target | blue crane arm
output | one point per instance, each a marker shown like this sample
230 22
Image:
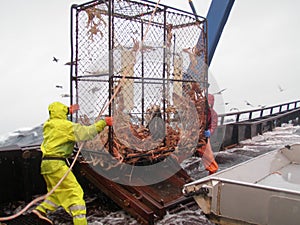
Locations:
217 16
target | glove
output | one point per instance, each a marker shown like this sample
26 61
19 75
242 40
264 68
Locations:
73 108
207 133
109 121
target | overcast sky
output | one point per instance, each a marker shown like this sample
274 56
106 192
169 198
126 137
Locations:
258 51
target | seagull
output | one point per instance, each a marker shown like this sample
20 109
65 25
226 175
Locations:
248 103
71 63
262 106
65 95
280 88
59 86
55 59
219 92
234 109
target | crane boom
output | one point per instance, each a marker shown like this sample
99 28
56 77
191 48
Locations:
217 16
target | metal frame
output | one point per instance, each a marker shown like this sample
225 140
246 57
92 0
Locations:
115 19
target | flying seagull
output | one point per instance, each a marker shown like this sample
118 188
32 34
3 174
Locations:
55 59
72 63
65 95
248 103
59 86
280 88
262 106
234 109
219 92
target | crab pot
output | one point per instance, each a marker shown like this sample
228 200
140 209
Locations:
143 56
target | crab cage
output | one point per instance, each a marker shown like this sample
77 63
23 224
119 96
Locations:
135 60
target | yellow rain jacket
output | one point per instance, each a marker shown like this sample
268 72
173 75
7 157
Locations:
60 135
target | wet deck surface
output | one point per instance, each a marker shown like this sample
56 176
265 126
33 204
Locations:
101 210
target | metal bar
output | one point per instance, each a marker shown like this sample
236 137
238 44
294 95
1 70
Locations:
76 68
237 131
217 17
144 14
175 9
110 63
148 199
250 115
270 108
165 66
193 9
261 112
85 5
143 77
72 54
186 25
119 195
147 203
94 75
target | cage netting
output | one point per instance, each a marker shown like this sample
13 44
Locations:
154 57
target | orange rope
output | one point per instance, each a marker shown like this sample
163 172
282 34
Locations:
151 18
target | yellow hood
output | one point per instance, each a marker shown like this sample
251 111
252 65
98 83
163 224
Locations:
58 110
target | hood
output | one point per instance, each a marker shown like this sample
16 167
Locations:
58 110
211 100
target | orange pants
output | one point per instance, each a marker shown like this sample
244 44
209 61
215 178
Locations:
208 158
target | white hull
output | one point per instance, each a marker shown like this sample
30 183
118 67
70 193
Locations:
264 190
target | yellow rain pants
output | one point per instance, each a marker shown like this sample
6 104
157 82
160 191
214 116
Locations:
69 195
60 135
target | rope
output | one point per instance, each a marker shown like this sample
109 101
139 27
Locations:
69 170
66 174
36 200
43 197
150 21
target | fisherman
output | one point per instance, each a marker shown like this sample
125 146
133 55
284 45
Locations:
60 136
205 151
212 114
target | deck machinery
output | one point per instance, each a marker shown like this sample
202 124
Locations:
263 190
